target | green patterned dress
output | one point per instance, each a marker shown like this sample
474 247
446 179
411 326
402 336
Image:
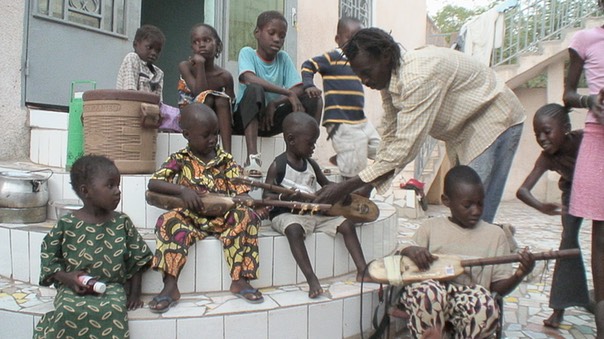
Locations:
112 252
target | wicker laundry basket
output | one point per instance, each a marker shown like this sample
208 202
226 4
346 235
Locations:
122 125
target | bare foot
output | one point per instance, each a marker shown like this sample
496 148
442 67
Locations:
555 319
167 297
314 289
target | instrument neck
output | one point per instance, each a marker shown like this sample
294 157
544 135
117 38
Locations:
516 257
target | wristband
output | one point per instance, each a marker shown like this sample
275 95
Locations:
280 196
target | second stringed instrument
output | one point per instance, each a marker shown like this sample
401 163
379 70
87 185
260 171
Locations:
400 270
215 205
357 209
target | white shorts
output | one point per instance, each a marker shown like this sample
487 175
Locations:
354 144
309 223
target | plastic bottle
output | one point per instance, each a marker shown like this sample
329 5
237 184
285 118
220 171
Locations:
93 285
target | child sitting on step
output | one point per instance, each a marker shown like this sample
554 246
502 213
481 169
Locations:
295 170
199 168
96 241
465 302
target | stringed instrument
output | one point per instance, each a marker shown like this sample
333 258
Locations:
215 205
400 270
356 209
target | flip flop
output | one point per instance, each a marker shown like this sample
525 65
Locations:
250 295
253 168
163 298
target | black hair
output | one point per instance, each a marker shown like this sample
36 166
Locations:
265 17
460 174
554 111
296 122
86 168
194 112
219 45
149 32
376 43
345 21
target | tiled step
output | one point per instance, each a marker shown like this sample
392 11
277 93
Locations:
287 312
206 269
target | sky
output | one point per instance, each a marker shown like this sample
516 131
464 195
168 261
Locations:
435 5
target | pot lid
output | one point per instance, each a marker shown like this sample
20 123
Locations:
42 175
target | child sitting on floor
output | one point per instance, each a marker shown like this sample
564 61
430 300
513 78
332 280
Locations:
80 244
199 168
466 301
138 71
201 80
560 148
295 170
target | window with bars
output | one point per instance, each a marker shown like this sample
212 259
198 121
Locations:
359 9
104 15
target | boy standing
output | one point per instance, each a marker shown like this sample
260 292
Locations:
466 301
138 72
353 137
295 170
199 168
269 88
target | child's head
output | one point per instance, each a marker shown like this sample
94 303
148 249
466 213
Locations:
300 131
347 27
552 126
96 180
205 41
373 55
270 32
148 42
200 127
464 195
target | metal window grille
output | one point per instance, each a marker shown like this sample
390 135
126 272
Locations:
103 15
359 9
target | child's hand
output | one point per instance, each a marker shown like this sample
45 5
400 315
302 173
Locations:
294 195
420 256
527 263
197 59
263 211
70 279
551 208
313 92
597 106
192 199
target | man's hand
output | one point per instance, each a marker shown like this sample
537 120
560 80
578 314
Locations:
313 92
192 199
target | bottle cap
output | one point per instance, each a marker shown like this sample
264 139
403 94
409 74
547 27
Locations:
99 287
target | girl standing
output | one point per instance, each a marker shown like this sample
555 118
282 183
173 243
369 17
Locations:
96 241
201 80
560 147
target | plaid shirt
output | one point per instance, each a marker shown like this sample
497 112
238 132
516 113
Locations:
135 74
447 95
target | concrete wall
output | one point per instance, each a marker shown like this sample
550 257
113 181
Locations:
317 29
15 132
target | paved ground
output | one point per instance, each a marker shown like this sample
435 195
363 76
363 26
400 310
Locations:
527 306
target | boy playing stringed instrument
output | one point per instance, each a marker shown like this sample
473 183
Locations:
199 168
295 170
466 302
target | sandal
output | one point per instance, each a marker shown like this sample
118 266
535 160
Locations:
251 295
253 168
163 298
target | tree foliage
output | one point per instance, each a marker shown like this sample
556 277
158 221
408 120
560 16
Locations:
450 18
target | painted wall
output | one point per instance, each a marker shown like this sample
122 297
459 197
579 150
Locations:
15 134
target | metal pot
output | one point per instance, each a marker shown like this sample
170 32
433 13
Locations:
20 189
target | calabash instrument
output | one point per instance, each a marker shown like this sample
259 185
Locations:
355 208
217 205
400 270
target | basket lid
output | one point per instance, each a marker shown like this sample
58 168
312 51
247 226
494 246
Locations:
120 94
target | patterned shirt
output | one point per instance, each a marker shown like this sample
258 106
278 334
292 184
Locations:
137 75
344 98
447 95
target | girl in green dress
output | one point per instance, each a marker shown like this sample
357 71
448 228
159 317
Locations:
97 241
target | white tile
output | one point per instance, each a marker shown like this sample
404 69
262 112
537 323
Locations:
35 240
152 280
152 213
48 119
265 274
288 323
186 281
209 262
379 249
238 148
367 242
55 187
63 154
194 328
322 317
20 254
324 255
55 151
34 145
68 192
5 253
352 314
310 243
156 328
43 147
16 325
162 149
341 257
177 142
267 151
247 325
279 146
284 267
133 198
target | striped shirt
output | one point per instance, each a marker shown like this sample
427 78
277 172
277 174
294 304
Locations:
344 98
445 94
